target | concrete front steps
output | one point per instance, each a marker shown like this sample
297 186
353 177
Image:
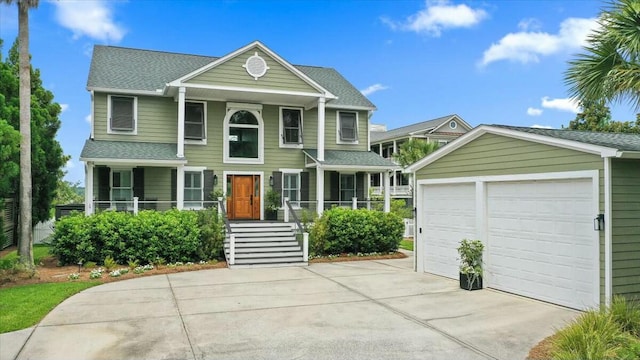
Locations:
265 244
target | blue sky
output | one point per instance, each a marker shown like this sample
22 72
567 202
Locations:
491 62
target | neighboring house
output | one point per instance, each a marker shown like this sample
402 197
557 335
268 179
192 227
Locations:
557 210
387 142
170 129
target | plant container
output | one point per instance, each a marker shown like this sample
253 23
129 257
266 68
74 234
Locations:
467 282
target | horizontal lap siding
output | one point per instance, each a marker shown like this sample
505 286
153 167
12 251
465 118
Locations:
157 120
331 136
500 155
231 73
625 194
157 184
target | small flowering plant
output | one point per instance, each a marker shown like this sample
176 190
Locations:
96 273
74 276
470 252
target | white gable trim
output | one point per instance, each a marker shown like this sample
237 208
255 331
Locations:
451 118
484 129
180 81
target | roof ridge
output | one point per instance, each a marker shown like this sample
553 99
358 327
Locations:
154 51
563 129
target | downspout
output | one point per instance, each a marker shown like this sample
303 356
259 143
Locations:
608 269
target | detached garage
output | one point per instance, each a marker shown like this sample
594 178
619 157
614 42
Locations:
557 210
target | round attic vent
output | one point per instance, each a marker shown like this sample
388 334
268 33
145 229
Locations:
256 66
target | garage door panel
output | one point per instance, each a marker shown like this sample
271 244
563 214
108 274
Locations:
541 241
448 217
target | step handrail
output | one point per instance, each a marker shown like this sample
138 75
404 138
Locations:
300 230
231 236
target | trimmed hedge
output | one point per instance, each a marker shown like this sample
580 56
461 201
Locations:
342 230
171 236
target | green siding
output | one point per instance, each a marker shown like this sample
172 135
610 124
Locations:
231 73
625 221
157 120
500 155
157 184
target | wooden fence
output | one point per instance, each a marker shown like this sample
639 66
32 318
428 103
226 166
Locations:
9 214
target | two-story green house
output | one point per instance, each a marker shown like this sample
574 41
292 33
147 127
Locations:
171 129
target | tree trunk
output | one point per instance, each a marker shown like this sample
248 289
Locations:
25 243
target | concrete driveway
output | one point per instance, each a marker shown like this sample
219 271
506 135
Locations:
348 310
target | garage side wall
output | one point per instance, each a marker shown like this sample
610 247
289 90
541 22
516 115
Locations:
625 193
492 154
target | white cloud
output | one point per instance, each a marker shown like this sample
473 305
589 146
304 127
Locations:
528 46
88 118
534 112
437 16
566 104
63 107
529 24
373 88
91 18
69 165
542 126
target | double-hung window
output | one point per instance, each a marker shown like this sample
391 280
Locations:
348 126
291 188
347 187
290 127
122 188
122 114
194 121
192 189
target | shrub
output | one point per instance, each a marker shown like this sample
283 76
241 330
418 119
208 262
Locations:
626 313
143 238
341 230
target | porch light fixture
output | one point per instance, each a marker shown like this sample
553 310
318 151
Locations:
270 180
215 180
598 222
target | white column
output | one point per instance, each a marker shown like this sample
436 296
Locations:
319 190
321 119
395 147
387 190
88 188
180 187
181 95
286 209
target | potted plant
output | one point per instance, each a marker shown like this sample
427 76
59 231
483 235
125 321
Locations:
272 203
470 252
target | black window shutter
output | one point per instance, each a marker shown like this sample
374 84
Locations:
277 183
103 186
208 186
360 186
304 188
174 185
138 183
334 183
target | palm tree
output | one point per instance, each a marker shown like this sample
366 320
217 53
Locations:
414 150
25 242
609 69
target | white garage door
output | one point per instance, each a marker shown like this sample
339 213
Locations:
541 241
448 217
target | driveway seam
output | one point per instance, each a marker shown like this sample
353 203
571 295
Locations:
184 326
25 342
411 318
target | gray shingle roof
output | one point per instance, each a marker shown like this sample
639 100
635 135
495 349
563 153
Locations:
128 150
405 130
115 67
352 158
622 142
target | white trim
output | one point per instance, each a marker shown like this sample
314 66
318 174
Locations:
202 141
180 131
357 129
135 116
112 170
355 185
88 194
354 168
484 129
455 118
350 107
92 115
453 125
321 128
514 177
126 92
298 145
254 109
608 238
285 170
140 162
262 185
252 90
296 172
267 51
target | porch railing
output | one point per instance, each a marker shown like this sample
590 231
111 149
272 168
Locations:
300 230
397 190
230 237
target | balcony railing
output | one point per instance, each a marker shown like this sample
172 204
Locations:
398 190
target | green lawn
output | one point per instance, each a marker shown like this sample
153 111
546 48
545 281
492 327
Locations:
39 251
24 306
406 245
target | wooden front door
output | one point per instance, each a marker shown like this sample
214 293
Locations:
244 200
